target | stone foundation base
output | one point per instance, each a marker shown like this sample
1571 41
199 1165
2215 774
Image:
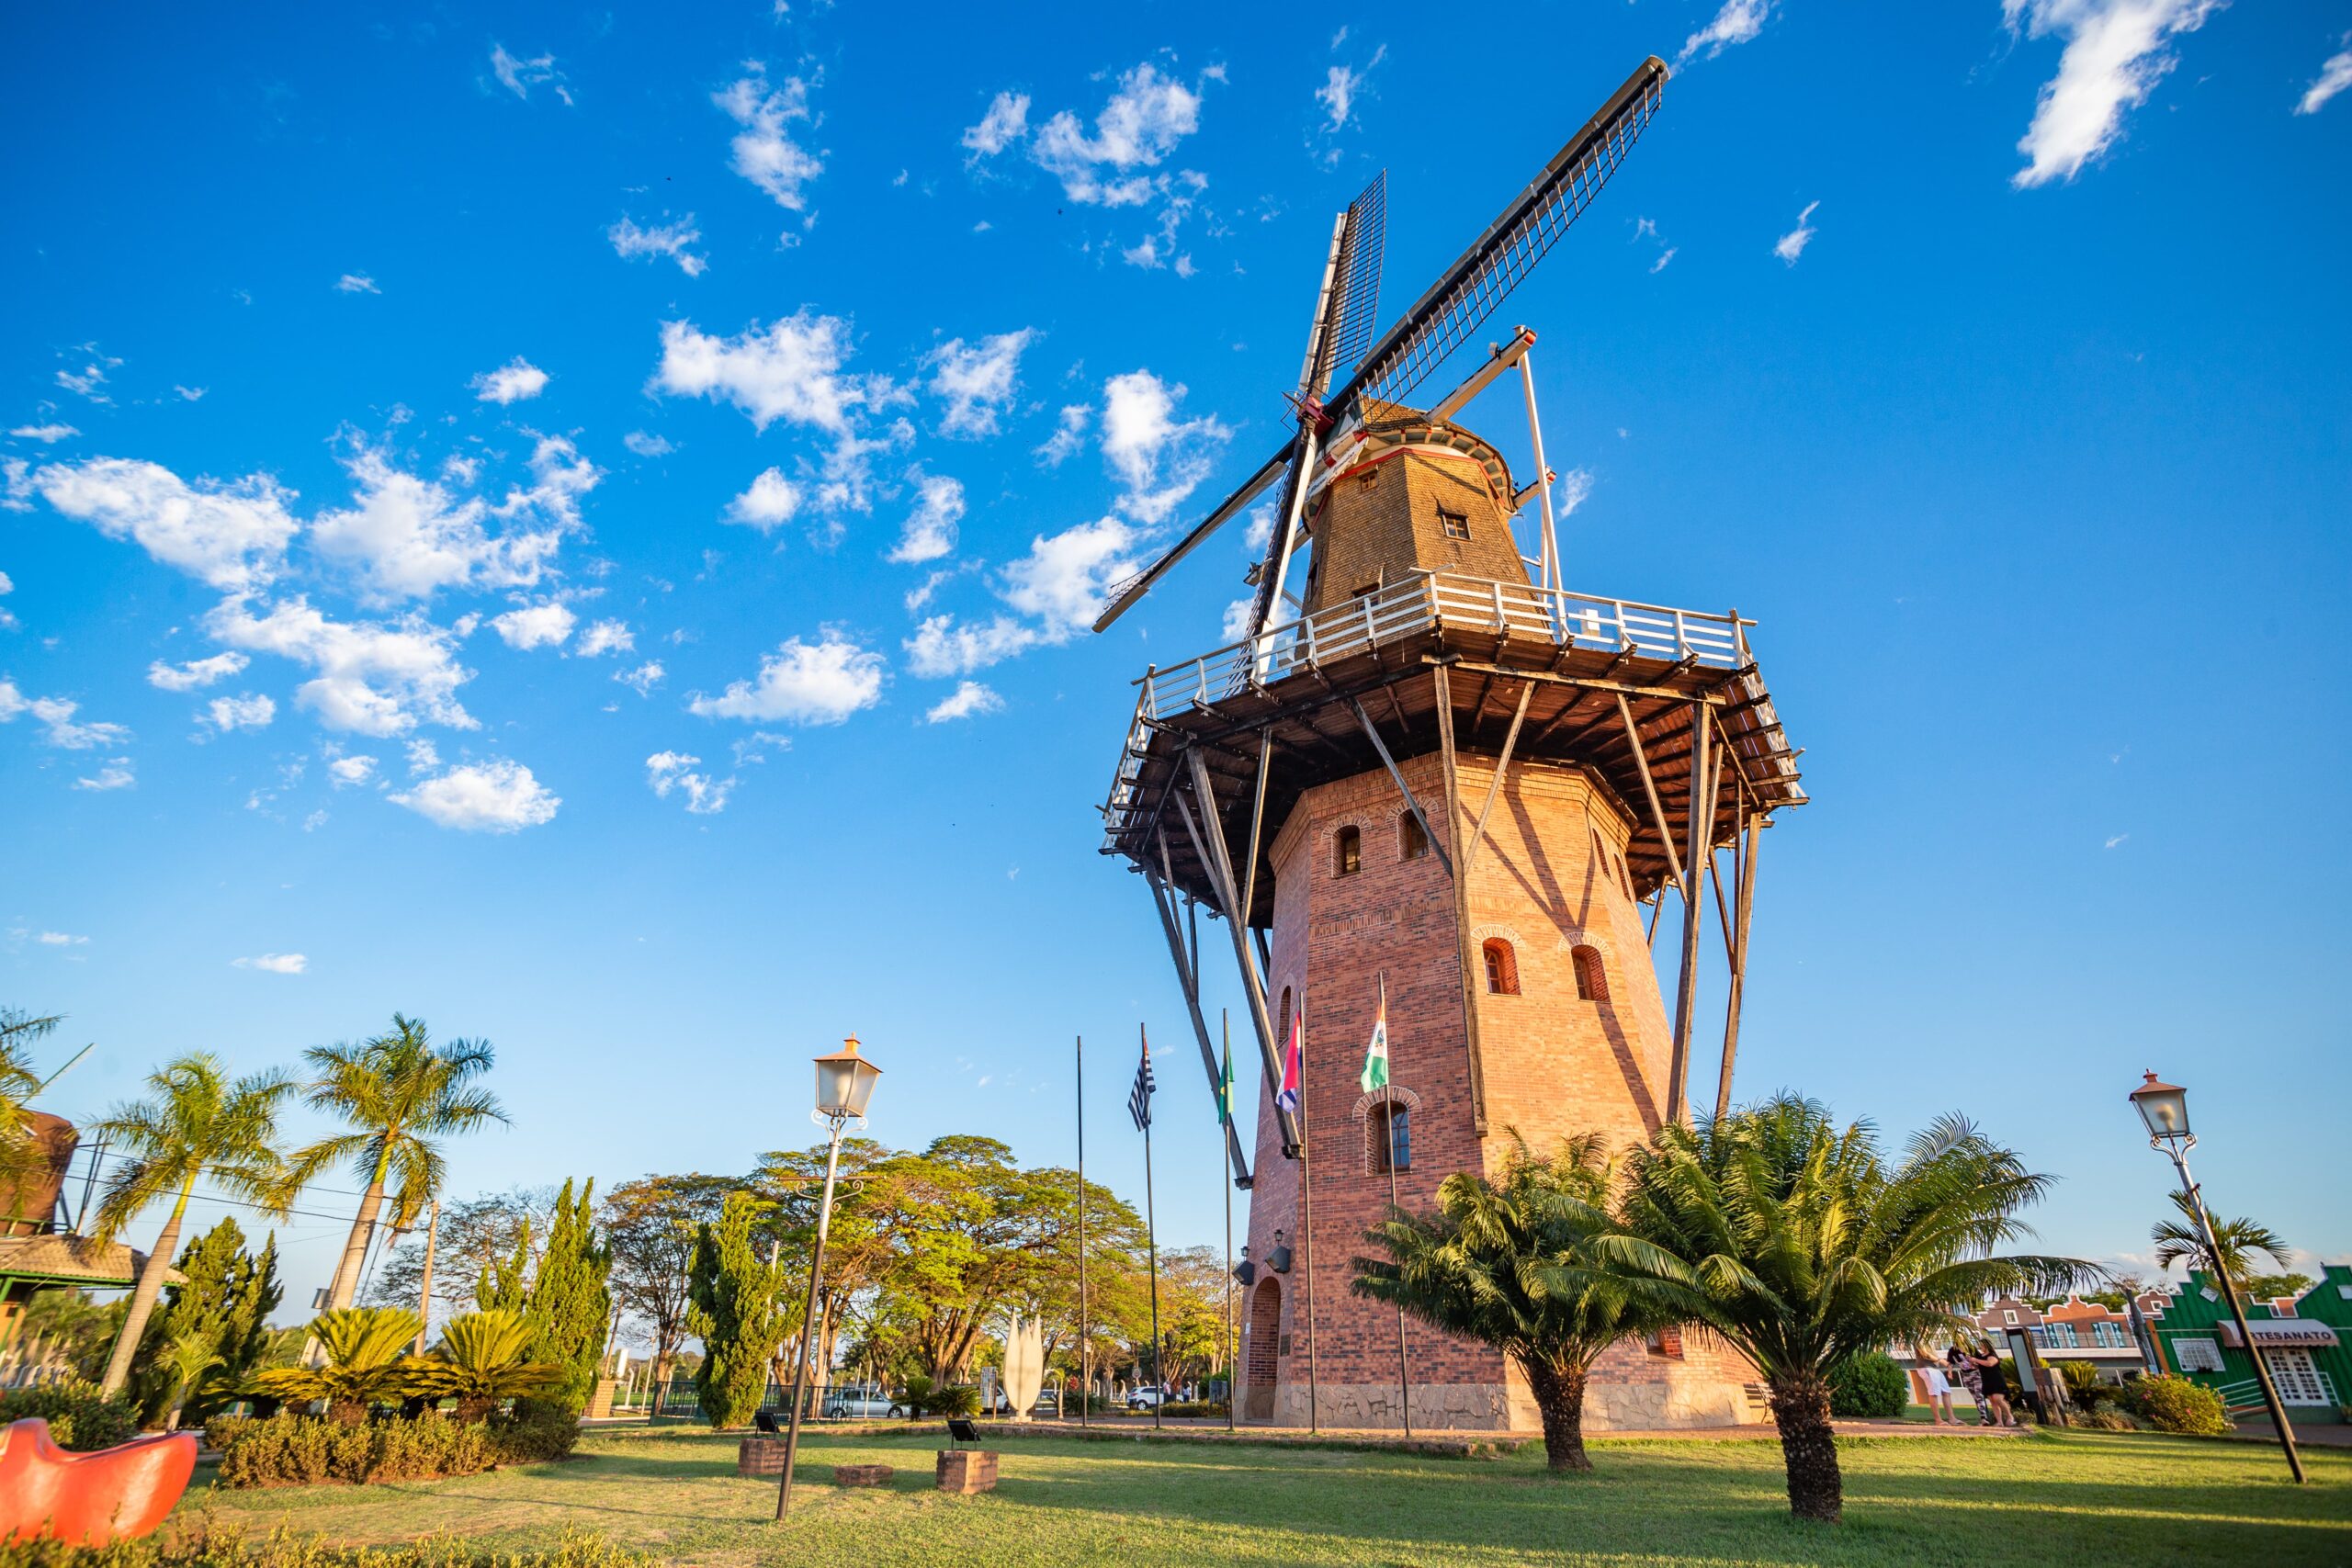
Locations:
967 1470
760 1456
1507 1407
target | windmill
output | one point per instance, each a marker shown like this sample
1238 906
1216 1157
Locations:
1425 771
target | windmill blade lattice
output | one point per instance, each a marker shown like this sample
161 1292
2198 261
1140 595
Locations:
1356 315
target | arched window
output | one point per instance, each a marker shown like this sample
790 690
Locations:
1388 1138
1413 841
1350 855
1502 967
1592 980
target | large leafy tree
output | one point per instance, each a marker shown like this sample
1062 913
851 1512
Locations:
196 1122
2182 1240
649 1227
742 1309
397 1093
1511 1262
1799 1243
472 1234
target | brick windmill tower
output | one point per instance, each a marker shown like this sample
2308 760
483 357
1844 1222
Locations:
1428 766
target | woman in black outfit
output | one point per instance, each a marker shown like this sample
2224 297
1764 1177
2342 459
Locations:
1997 1386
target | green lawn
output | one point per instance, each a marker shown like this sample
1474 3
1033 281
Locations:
2073 1501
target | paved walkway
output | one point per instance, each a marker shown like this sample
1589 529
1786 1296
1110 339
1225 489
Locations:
2308 1434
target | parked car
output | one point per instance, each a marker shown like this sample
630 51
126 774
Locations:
1146 1399
853 1404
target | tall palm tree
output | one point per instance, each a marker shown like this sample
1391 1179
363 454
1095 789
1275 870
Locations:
398 1093
2183 1241
1509 1263
1798 1243
198 1123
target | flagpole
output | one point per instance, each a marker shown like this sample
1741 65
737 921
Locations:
1225 1117
1307 1184
1151 1238
1388 1126
1085 1361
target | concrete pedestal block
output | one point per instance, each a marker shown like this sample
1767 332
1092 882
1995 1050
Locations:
967 1470
760 1456
862 1475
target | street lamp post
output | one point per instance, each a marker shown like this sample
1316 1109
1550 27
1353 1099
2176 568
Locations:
2165 1108
845 1083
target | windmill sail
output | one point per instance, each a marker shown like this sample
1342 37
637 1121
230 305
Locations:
1445 315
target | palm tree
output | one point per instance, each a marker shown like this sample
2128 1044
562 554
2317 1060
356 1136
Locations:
1798 1244
1508 1263
481 1359
366 1362
18 1084
196 1123
398 1093
188 1357
2183 1241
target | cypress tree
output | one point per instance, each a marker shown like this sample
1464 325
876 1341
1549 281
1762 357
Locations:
226 1299
569 1303
740 1312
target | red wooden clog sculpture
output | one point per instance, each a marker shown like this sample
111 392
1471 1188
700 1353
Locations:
117 1493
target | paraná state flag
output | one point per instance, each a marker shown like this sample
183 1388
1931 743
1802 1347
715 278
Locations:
1286 1098
1375 1056
1139 1097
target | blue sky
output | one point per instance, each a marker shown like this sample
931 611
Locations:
579 526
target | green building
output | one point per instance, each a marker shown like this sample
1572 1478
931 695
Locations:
2302 1337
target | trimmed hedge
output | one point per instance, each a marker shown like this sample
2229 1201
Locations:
2176 1405
304 1450
79 1416
226 1547
1868 1386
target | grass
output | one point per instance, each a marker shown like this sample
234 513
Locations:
2068 1499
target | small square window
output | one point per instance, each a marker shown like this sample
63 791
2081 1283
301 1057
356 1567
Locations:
1456 525
1412 842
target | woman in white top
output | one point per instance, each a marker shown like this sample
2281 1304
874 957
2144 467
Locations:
1939 1395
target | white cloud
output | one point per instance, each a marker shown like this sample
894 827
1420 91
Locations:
229 536
940 646
2116 839
801 683
969 700
251 711
1342 86
47 434
1140 126
355 283
488 797
115 774
672 770
765 153
930 531
373 677
1158 460
2334 75
1790 246
1737 22
1064 577
978 382
60 938
190 394
346 771
274 962
87 381
1006 122
768 504
669 239
56 716
606 637
195 672
511 383
2117 51
422 756
535 626
408 537
789 370
519 76
1067 437
643 679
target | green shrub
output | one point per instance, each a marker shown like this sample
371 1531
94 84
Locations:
1868 1386
2084 1389
303 1450
2176 1405
534 1434
2107 1419
1193 1407
210 1546
923 1397
79 1416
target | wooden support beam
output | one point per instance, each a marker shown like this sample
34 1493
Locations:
1188 979
1657 913
1461 905
1495 784
1649 788
1209 842
1445 727
1589 682
1257 820
1746 906
1686 990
